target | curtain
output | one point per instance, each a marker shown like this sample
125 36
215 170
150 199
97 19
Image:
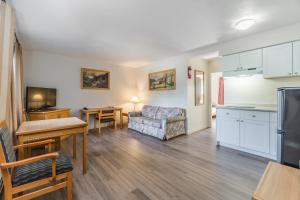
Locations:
11 71
221 91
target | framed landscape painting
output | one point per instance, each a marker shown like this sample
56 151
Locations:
95 79
163 80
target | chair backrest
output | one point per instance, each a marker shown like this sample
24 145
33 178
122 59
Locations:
107 113
149 111
7 153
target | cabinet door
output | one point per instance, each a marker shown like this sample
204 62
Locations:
296 58
255 135
273 138
278 61
231 62
251 59
228 131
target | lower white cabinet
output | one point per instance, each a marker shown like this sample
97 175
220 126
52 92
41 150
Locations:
229 131
255 135
250 131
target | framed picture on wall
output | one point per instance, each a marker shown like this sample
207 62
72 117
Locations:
199 87
95 79
163 80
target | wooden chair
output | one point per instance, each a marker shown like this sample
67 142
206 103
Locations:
35 176
107 115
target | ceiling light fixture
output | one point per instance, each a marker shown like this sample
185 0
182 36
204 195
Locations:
244 24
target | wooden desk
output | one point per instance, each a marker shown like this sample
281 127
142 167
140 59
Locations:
52 128
94 111
279 182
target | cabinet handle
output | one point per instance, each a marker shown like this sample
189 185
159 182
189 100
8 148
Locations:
253 115
242 120
296 72
237 120
227 113
290 74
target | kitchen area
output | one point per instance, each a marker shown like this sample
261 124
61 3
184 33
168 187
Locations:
261 112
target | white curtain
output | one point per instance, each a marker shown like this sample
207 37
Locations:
10 69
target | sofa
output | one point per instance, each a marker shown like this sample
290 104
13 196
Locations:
160 122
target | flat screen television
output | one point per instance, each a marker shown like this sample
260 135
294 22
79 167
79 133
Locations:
40 98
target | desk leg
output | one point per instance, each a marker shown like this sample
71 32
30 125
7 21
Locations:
74 146
21 150
84 148
121 118
87 116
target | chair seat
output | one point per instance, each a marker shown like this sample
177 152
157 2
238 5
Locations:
40 170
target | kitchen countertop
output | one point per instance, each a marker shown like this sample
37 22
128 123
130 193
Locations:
266 108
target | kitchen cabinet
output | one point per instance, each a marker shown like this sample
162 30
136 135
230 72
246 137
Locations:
296 58
248 130
229 131
231 62
251 59
278 61
243 61
255 135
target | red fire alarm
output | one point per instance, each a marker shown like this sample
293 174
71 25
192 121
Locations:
189 71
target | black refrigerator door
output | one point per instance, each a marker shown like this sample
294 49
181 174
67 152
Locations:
290 149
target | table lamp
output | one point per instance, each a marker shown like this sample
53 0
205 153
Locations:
135 100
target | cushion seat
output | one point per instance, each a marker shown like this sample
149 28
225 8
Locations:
152 122
40 170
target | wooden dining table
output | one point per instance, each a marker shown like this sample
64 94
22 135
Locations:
86 113
30 131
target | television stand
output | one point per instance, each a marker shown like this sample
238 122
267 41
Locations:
51 113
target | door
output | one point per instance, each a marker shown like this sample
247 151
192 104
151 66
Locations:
255 135
231 62
290 118
296 58
228 130
251 59
278 61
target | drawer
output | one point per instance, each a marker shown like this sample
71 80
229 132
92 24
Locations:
228 113
273 116
255 115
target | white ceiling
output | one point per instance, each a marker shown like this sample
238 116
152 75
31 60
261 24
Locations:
136 32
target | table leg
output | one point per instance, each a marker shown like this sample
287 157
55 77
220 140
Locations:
74 146
121 118
21 150
84 148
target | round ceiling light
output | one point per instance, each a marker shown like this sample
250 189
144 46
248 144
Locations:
244 24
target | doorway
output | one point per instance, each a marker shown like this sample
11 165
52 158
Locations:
217 95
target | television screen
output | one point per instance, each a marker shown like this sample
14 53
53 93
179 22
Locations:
40 98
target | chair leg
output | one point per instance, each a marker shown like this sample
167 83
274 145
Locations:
99 124
69 186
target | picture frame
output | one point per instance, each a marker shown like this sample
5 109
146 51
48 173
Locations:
199 87
95 79
162 80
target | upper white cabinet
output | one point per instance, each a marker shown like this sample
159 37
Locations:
278 61
231 62
251 59
244 60
296 58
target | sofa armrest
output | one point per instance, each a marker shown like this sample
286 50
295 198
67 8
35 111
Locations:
134 114
175 119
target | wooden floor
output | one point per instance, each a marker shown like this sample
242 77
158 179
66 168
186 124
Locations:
126 165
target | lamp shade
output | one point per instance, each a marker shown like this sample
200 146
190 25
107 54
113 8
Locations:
135 99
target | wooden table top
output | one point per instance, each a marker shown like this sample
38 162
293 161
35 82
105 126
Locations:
279 182
38 126
98 109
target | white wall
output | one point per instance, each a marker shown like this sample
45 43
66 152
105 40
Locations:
255 89
198 116
43 69
169 98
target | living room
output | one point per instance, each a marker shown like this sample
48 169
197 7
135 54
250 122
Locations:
123 104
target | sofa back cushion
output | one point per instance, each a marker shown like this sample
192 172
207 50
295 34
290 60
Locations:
166 113
149 111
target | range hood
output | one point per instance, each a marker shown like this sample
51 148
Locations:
243 72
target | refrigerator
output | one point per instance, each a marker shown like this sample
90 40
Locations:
288 126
